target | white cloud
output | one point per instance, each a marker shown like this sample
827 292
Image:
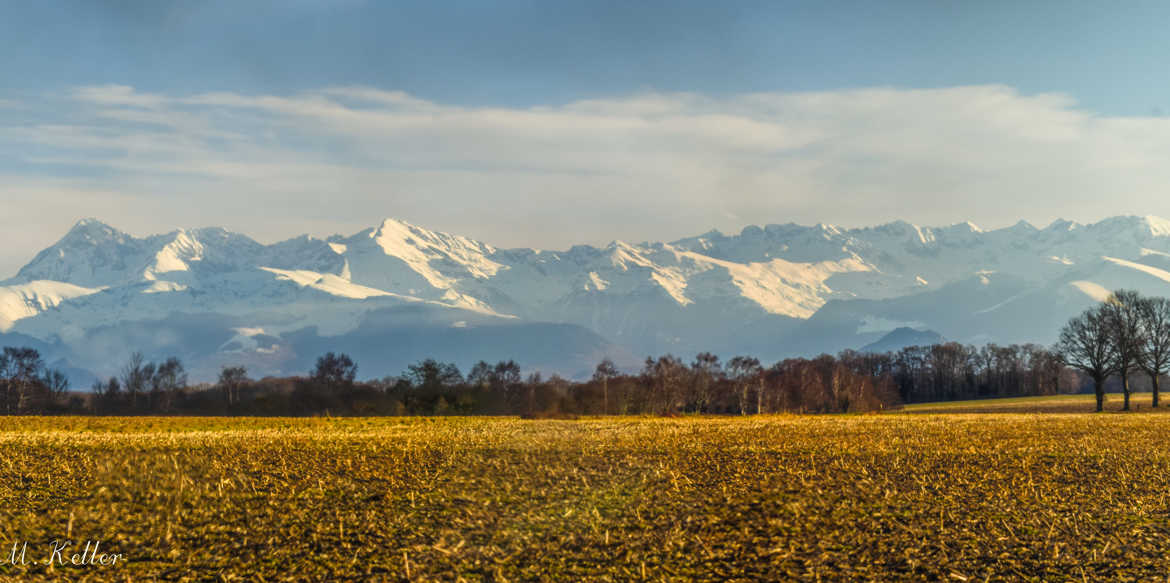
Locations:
645 166
117 95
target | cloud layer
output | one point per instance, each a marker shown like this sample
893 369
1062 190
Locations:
646 166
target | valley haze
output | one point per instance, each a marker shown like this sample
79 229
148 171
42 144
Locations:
396 293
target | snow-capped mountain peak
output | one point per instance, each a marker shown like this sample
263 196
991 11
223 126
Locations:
1148 225
93 230
175 256
785 286
84 256
419 247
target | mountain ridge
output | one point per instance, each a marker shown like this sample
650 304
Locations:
762 291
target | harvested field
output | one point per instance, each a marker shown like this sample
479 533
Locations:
876 497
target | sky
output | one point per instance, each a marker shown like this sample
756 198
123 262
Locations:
550 123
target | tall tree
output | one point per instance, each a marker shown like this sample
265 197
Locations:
1154 357
605 370
481 375
664 377
706 371
1125 325
169 379
56 385
231 378
432 375
1086 343
507 382
135 377
109 394
335 371
20 373
744 370
507 373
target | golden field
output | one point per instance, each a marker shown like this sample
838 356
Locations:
926 493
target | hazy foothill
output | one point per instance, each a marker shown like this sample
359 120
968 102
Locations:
1125 340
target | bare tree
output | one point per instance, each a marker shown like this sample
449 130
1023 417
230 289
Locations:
706 372
1086 343
20 374
507 381
1154 357
606 370
480 376
427 375
744 370
26 384
335 372
231 378
56 382
108 394
664 377
1125 325
1044 369
135 377
169 379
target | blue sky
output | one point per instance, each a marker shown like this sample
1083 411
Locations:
548 123
523 53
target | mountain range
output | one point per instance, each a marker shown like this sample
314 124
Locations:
396 292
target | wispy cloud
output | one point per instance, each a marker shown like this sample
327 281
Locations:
643 166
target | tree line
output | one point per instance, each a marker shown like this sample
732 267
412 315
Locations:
1125 340
666 385
955 372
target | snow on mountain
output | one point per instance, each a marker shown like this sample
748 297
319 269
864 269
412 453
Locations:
773 290
414 261
26 300
91 254
1095 291
1152 271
